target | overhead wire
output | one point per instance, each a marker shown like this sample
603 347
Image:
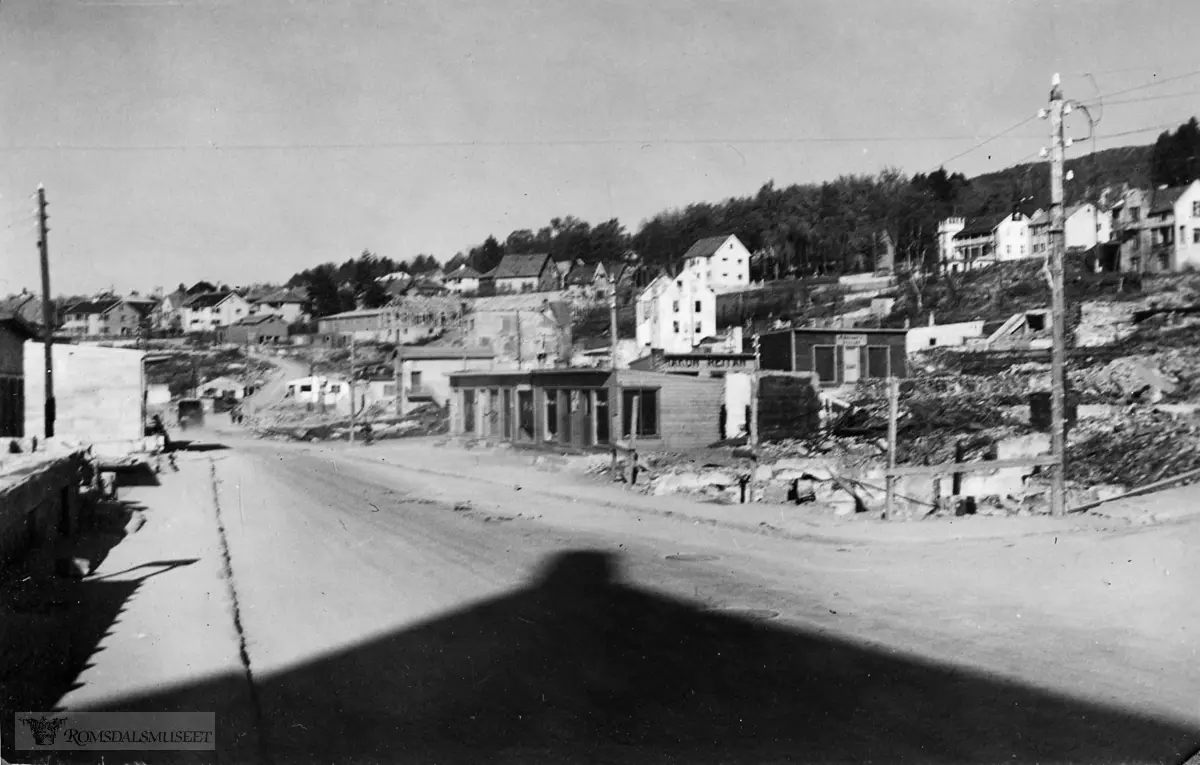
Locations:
1154 84
985 142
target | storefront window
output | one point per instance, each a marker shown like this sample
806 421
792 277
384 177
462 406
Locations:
468 395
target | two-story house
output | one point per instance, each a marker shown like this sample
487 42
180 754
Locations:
526 273
463 279
208 311
986 240
674 313
105 316
720 262
283 303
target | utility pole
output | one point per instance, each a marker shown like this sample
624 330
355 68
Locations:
352 401
615 433
47 312
1054 265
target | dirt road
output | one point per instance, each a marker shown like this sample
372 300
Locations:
393 616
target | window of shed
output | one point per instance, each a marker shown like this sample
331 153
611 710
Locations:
647 405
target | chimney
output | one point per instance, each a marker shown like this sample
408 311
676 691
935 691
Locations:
931 318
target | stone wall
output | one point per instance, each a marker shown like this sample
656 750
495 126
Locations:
39 500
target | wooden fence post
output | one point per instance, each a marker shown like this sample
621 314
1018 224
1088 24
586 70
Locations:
893 416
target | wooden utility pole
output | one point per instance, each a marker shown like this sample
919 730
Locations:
893 438
1054 265
398 379
352 399
48 321
618 399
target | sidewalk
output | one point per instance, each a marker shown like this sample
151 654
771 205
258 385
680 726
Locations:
175 626
552 476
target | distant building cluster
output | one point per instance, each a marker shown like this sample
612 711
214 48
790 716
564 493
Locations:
1134 230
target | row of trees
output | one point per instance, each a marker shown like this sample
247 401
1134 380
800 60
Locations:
334 288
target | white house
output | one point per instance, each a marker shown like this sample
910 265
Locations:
1187 221
1013 241
463 279
676 313
206 312
720 262
1086 226
984 241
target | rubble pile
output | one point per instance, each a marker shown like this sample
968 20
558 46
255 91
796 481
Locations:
1140 448
295 423
1102 323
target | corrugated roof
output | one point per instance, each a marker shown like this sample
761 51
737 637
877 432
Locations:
706 248
521 266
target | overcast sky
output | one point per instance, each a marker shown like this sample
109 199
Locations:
242 140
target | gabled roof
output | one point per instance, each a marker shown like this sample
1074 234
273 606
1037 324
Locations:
583 275
521 266
706 248
980 226
1165 199
103 305
463 272
14 323
209 299
200 288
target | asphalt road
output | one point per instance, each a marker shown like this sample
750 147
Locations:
387 618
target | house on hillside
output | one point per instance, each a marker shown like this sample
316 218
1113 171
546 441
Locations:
259 329
1187 218
720 262
674 313
1085 226
984 241
283 303
104 317
169 315
14 332
463 279
210 310
589 280
526 273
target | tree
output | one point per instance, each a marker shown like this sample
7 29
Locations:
487 256
1175 160
323 290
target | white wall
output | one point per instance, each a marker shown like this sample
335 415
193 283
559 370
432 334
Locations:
1087 227
1013 241
729 266
675 314
942 335
1187 249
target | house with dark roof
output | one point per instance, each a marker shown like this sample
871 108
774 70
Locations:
105 316
589 280
283 303
463 279
982 241
526 273
1158 229
722 263
208 311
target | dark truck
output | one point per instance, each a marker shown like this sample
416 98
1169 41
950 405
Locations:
191 413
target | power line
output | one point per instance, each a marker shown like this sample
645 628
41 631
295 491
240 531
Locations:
1148 85
645 142
1151 98
985 142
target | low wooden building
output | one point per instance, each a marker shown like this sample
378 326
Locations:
260 329
14 331
837 356
572 407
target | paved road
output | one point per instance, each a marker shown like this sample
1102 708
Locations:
391 616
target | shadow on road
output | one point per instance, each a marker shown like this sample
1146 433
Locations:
51 625
196 446
580 667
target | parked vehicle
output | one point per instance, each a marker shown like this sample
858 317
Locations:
191 413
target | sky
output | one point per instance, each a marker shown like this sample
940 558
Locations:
243 140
